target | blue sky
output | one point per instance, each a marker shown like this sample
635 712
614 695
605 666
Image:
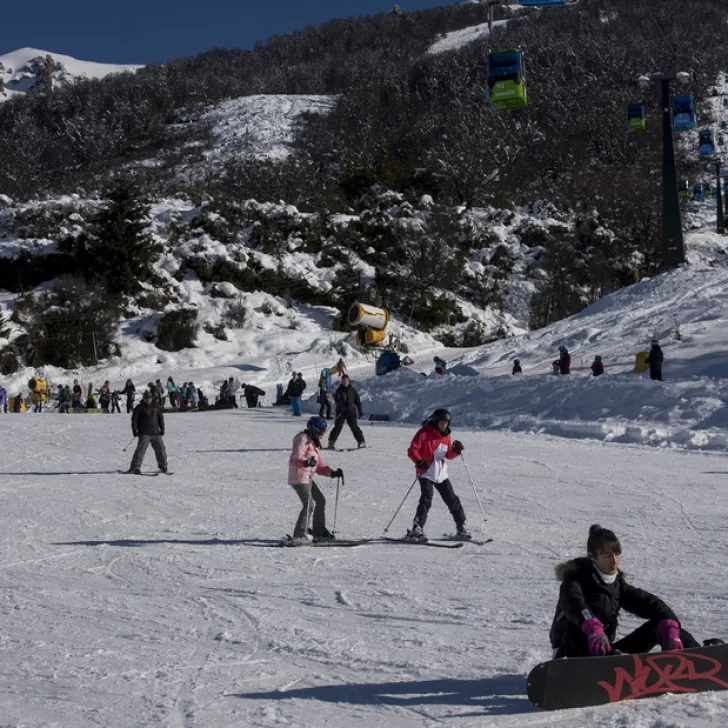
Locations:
143 31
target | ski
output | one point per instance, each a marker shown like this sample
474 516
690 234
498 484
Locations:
288 543
477 542
433 544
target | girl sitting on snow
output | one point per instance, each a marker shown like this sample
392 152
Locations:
593 591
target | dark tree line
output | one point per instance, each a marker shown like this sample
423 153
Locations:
412 122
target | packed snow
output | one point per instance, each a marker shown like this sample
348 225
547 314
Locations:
260 126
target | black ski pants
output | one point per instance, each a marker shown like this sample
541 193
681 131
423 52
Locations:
350 419
576 644
251 400
445 489
157 444
656 374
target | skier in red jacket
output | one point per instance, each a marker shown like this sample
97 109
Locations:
430 449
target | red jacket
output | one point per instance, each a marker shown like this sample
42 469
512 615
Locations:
426 441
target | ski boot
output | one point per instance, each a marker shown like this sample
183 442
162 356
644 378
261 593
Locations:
361 445
463 533
134 471
325 535
415 533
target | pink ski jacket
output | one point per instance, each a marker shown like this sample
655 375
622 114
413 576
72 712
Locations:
303 449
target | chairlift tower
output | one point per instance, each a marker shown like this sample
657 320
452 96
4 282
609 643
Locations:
719 219
673 247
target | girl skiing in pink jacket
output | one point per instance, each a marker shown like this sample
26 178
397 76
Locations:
305 461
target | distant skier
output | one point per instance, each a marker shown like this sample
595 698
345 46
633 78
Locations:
517 367
654 359
430 448
440 365
147 423
592 593
597 366
305 461
347 405
564 360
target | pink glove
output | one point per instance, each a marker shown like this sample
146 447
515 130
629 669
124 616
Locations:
669 631
598 641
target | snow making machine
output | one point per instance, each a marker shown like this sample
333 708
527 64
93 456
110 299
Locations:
370 323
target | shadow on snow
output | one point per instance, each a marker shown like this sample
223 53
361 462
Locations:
501 695
138 543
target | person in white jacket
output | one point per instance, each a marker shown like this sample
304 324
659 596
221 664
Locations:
305 461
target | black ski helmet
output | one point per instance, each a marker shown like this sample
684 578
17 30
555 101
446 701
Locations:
317 424
440 414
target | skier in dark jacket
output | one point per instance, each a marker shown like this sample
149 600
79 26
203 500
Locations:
147 423
597 366
252 393
564 360
593 590
295 391
130 392
517 367
654 359
347 404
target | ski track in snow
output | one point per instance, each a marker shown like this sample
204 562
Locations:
120 608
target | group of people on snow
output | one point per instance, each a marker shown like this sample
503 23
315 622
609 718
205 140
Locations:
562 365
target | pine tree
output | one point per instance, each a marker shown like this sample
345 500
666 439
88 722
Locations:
124 250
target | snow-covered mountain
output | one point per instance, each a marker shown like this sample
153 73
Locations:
28 69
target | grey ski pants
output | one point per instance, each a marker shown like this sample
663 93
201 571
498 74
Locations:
157 444
317 506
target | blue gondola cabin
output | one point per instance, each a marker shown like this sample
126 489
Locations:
683 109
636 120
506 87
698 192
707 143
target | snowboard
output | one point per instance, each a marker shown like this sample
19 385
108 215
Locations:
578 682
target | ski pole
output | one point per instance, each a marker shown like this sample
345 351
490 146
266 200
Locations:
477 497
130 442
401 504
336 502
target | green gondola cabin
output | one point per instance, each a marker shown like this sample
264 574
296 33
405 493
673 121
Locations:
506 87
636 120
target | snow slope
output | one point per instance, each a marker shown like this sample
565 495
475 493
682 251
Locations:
140 601
19 70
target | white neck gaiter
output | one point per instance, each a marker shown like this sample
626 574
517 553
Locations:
606 578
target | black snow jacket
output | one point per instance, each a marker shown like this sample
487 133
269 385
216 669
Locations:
147 419
347 400
655 357
583 595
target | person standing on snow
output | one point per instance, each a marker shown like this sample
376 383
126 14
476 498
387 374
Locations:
347 405
305 461
517 367
294 392
564 360
130 392
654 359
147 423
592 593
430 448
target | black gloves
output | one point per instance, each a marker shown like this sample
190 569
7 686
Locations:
422 465
458 447
311 462
338 473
